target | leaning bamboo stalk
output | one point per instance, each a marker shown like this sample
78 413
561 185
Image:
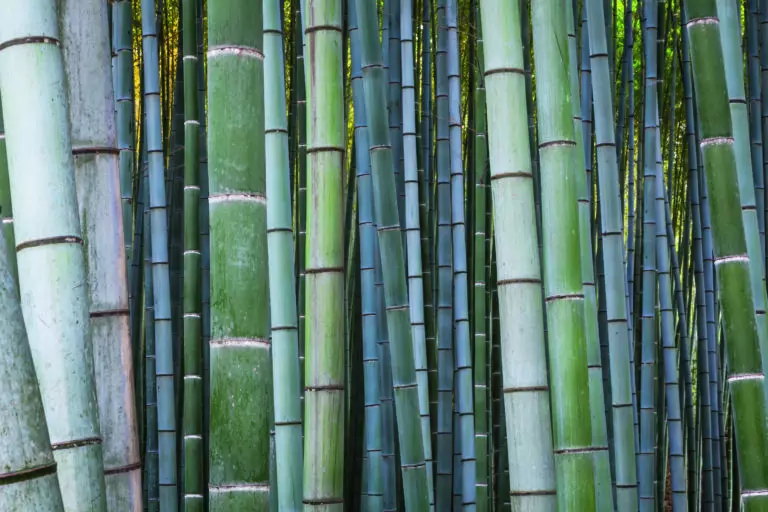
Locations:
85 39
285 346
28 480
521 329
49 250
744 367
413 468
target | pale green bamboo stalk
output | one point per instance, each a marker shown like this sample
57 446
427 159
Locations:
192 408
603 488
28 480
6 206
526 391
239 346
49 243
744 367
413 235
324 390
413 468
285 345
85 42
563 290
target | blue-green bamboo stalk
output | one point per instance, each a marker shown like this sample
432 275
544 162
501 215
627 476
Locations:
372 490
413 468
394 100
670 353
648 366
762 39
611 233
151 462
463 402
285 348
413 234
445 367
755 116
164 366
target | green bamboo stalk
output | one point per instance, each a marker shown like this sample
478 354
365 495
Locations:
239 345
324 380
603 490
751 16
730 39
6 206
285 347
85 45
529 436
744 367
164 365
615 292
563 290
28 481
49 248
413 236
192 423
481 350
414 474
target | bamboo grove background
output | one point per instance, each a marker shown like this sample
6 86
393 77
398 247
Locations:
383 255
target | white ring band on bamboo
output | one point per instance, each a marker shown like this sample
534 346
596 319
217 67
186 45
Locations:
192 122
730 259
240 342
746 376
223 198
239 488
191 251
714 141
238 51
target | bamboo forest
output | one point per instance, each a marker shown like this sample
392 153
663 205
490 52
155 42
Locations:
383 255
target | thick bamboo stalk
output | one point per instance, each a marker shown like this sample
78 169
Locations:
85 45
239 346
28 480
6 207
413 468
285 346
49 250
744 367
529 435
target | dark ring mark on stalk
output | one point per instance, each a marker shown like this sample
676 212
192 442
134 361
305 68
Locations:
318 149
523 389
317 28
576 451
287 423
521 280
512 174
532 493
323 270
95 150
27 474
494 71
322 501
110 312
49 241
275 130
279 230
29 40
561 142
325 387
122 469
77 443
